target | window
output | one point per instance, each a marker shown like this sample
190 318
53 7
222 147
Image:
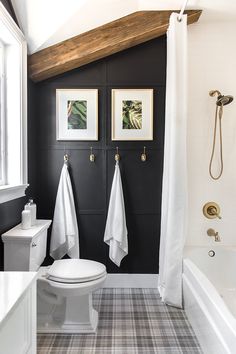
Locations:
13 110
2 117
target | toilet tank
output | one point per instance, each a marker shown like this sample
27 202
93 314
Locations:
25 250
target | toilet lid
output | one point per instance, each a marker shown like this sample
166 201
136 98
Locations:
75 270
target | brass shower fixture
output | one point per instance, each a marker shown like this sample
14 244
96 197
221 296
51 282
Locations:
221 101
215 234
211 210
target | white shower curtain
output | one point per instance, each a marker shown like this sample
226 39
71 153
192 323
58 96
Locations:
174 189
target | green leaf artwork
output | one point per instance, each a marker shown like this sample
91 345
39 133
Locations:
132 114
77 114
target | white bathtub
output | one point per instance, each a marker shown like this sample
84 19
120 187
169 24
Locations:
209 290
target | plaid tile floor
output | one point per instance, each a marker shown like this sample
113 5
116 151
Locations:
131 321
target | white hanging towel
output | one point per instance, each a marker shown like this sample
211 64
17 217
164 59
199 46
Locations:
65 235
116 231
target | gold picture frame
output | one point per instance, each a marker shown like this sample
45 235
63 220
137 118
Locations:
132 114
77 114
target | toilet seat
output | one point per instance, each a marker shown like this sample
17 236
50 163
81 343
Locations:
47 286
75 271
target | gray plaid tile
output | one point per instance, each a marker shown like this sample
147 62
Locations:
131 321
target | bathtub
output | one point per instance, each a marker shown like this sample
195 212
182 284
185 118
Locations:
209 294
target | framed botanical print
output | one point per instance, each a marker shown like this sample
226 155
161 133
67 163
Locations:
77 114
132 114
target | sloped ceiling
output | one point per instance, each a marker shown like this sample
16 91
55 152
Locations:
212 10
47 22
40 19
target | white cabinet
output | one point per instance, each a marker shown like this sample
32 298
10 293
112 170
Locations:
18 313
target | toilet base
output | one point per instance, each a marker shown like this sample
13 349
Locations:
74 315
50 326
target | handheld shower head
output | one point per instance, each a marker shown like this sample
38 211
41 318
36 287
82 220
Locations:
221 99
224 100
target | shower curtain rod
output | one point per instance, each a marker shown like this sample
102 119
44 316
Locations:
182 10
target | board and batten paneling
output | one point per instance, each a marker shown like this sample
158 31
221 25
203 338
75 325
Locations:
143 66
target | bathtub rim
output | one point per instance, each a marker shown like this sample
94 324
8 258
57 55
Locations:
217 301
219 315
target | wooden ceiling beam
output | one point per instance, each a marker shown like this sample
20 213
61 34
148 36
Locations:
100 42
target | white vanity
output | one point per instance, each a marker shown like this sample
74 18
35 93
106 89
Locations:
18 312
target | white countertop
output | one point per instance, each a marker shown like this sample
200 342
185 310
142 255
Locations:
13 286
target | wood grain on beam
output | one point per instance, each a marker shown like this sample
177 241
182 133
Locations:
100 42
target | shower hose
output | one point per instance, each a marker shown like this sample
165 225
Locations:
219 112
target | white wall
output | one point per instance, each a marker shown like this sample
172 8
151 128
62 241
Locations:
212 65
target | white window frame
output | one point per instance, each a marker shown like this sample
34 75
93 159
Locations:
13 116
2 117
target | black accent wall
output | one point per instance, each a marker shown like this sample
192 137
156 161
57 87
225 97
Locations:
142 66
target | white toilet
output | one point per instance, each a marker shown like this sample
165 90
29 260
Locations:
64 289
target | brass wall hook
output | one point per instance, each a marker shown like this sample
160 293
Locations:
91 156
117 155
66 157
143 155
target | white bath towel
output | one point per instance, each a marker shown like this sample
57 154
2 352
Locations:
116 231
65 235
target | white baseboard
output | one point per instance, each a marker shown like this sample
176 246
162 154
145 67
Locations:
131 281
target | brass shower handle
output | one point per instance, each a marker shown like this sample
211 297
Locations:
211 210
